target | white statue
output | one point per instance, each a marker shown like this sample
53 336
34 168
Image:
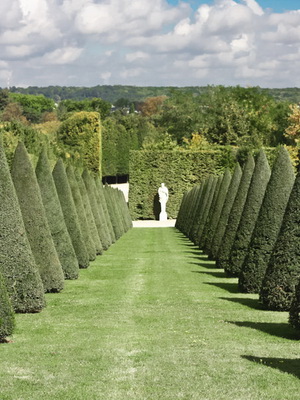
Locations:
163 194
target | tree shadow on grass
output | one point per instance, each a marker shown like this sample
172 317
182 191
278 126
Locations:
289 365
215 274
250 303
281 330
204 264
229 287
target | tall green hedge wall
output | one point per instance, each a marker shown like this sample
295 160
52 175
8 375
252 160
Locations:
179 170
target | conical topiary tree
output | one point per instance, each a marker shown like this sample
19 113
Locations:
88 239
216 212
112 212
294 317
17 264
35 221
55 217
100 189
89 213
256 192
180 215
222 260
199 238
193 225
70 214
227 206
268 223
7 320
283 272
100 223
197 199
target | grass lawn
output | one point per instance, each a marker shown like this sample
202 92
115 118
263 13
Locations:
151 319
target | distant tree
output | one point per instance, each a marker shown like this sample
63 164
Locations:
4 98
35 221
33 106
13 112
17 264
268 224
152 105
292 132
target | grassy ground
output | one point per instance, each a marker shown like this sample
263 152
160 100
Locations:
151 319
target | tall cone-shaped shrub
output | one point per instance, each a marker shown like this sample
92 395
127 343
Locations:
294 317
17 264
35 221
112 211
186 210
90 187
87 237
103 202
235 215
216 212
102 215
268 223
197 207
283 272
125 210
179 219
55 217
202 204
116 206
7 320
89 213
226 209
69 210
256 193
215 186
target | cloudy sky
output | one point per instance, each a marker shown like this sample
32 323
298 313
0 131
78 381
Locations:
150 42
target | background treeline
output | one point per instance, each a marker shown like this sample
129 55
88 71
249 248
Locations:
181 119
247 221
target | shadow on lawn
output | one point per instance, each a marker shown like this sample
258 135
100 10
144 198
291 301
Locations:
251 303
204 264
229 287
281 330
289 365
215 274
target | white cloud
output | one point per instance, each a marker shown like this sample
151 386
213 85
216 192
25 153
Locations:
142 42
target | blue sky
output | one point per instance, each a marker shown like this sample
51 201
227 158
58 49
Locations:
143 42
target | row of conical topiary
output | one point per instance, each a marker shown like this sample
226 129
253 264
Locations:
249 223
52 224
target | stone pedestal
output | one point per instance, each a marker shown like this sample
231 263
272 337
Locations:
163 216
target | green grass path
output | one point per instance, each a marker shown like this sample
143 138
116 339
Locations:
151 319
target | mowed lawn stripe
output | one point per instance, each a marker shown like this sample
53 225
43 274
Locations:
152 318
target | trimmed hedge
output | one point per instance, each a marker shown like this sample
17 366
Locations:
234 218
35 221
55 217
256 192
228 203
179 170
283 272
7 319
69 210
17 263
268 224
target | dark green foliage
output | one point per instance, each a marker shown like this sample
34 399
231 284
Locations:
124 210
235 215
179 170
35 221
268 224
89 213
86 233
55 217
198 196
202 204
226 209
99 219
105 209
114 216
69 210
283 272
17 263
7 320
195 192
212 224
294 317
259 181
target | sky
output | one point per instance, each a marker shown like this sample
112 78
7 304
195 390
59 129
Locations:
150 43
